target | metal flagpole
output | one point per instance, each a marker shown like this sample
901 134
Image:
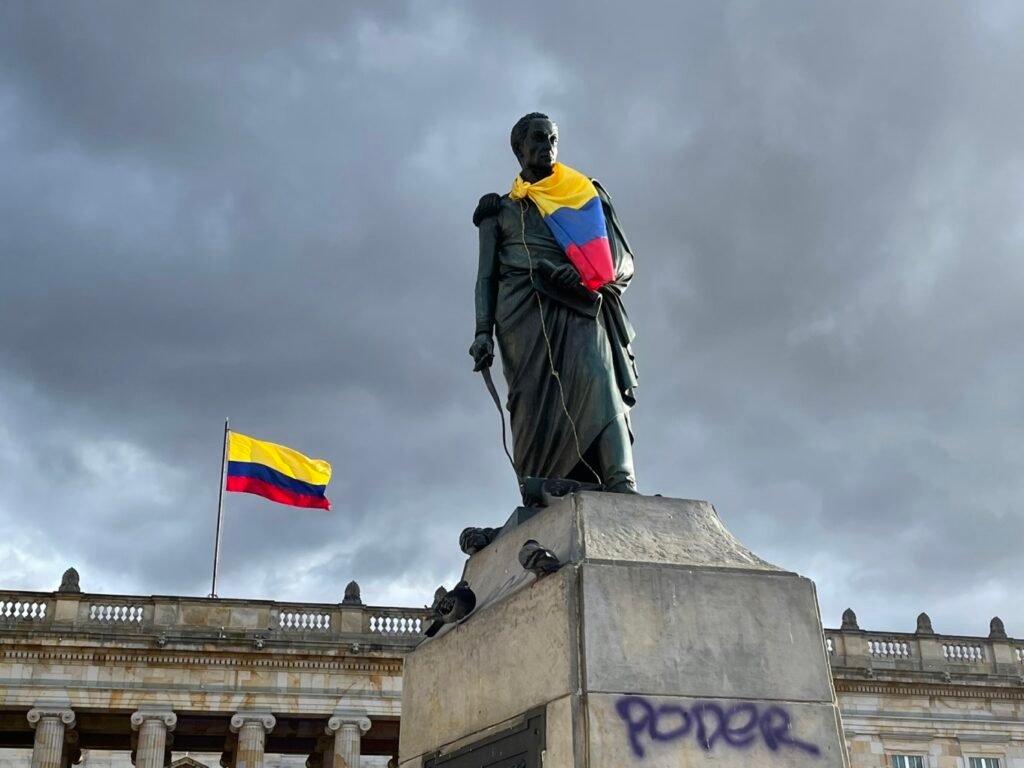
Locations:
220 506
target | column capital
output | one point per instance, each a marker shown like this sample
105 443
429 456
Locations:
264 719
168 718
65 714
340 719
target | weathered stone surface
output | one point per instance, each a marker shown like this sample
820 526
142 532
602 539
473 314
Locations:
674 732
509 657
656 599
200 679
66 607
252 729
558 739
51 723
347 726
706 632
153 726
651 529
495 572
70 581
602 526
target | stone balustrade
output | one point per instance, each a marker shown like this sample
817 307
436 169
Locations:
853 649
22 607
176 620
171 619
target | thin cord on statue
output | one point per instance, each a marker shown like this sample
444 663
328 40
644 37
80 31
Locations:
489 382
547 343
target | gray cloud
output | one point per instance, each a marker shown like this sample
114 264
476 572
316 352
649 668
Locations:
263 212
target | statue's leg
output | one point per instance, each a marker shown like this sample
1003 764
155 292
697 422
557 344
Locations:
614 450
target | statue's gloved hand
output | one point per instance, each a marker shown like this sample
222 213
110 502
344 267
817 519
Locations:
566 275
488 206
482 351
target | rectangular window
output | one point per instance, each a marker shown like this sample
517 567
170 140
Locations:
984 762
908 761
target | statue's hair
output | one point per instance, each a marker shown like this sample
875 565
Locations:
520 128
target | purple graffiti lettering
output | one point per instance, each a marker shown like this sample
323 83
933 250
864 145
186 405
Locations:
668 711
626 706
775 725
738 726
698 710
741 735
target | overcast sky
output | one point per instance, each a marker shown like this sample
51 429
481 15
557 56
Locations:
262 211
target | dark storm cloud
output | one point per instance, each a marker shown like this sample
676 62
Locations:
262 212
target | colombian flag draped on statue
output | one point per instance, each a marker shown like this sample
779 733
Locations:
276 472
571 208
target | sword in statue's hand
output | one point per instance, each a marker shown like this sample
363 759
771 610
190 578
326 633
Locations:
482 352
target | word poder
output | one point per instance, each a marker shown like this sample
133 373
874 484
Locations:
737 726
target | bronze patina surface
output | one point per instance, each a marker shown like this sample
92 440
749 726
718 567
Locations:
565 351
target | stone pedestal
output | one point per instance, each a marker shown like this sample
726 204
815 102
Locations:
662 642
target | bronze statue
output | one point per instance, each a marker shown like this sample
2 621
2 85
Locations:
565 346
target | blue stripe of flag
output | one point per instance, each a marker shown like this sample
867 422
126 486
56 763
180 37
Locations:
578 225
272 476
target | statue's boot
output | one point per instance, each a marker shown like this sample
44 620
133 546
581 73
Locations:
614 450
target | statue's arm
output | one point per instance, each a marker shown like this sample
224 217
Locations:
486 219
487 276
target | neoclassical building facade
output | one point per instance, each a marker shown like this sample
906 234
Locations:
925 700
103 680
107 681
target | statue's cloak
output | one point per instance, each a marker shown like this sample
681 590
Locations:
590 340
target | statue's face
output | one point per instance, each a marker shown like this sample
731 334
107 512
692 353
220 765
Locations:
539 150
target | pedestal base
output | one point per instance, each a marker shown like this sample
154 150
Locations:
662 641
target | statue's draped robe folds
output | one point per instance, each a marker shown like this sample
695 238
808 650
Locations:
589 333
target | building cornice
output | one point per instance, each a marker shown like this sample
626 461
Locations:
206 658
947 690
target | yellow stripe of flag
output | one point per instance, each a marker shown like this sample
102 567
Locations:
284 460
564 188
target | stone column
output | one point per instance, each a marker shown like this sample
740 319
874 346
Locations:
252 729
348 730
49 724
153 726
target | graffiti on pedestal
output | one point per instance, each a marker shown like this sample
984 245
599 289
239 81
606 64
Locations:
735 726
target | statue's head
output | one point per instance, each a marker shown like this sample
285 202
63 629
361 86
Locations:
535 143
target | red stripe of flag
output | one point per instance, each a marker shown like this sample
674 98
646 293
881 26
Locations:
593 260
272 492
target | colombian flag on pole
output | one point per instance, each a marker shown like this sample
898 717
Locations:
572 210
276 473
